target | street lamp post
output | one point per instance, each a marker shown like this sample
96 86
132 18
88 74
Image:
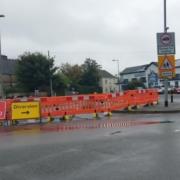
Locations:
50 79
117 60
166 80
1 88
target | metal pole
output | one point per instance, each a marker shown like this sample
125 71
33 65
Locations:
118 76
117 60
166 80
50 79
1 83
165 17
1 86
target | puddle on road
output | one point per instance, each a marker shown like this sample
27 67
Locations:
77 125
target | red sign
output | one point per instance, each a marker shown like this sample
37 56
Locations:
2 110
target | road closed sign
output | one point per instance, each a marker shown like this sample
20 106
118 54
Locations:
166 43
25 110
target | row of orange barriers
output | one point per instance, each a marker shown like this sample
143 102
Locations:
60 106
96 103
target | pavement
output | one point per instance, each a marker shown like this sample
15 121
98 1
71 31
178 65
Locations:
173 107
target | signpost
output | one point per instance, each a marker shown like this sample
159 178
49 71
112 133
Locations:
166 52
25 110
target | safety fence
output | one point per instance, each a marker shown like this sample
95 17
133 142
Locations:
63 106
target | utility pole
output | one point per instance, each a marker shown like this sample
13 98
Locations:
166 79
50 78
1 80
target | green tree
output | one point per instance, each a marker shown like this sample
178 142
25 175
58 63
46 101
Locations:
34 71
73 73
90 76
60 83
134 84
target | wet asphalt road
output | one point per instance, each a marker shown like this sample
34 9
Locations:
139 152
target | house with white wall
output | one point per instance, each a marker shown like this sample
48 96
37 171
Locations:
147 74
108 82
175 82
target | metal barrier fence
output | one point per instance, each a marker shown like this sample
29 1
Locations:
62 106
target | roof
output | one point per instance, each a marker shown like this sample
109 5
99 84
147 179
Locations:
137 69
7 66
105 74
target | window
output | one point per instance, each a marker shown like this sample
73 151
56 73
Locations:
125 81
143 79
134 79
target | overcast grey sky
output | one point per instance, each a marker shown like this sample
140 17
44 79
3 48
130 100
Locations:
76 29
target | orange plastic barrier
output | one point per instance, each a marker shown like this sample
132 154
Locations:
94 103
69 105
91 103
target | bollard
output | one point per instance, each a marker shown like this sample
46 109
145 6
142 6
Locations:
138 107
95 115
48 119
129 108
66 118
172 96
108 114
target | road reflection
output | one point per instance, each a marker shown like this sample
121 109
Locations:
114 122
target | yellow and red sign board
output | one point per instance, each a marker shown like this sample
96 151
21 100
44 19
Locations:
25 110
167 66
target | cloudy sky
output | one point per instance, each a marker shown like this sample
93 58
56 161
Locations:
73 30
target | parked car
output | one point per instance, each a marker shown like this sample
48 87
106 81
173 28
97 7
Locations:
177 90
160 89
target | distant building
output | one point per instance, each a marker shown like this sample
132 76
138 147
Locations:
108 82
175 82
147 74
7 74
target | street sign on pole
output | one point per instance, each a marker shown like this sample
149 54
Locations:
166 43
166 66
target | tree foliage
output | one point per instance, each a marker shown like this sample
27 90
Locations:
84 78
60 83
91 73
73 73
34 71
134 84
